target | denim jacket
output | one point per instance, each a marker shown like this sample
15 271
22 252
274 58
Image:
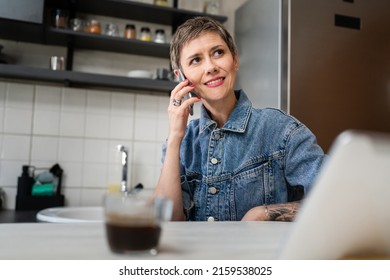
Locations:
260 156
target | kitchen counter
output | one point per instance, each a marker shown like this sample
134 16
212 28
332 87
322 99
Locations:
12 216
179 240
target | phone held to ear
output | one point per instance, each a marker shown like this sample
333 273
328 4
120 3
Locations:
190 94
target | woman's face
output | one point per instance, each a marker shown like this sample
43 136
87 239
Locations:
210 66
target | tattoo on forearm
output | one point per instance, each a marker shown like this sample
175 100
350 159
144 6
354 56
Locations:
283 213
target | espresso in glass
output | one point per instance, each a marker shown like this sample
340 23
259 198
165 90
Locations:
127 233
134 220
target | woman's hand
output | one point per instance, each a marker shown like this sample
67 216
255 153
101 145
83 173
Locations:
285 212
178 110
257 213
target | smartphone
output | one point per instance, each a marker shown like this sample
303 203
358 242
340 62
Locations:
190 94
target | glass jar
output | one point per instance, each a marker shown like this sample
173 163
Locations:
145 34
60 18
161 2
57 63
111 29
77 24
130 32
93 26
212 7
160 36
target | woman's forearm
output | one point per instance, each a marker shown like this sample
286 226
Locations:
169 181
284 212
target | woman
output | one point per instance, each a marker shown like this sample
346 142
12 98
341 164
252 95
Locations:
234 162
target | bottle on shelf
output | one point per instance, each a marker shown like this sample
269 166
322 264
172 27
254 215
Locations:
160 36
130 32
212 7
163 3
60 18
145 34
93 26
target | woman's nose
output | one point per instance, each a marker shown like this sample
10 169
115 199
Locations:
210 67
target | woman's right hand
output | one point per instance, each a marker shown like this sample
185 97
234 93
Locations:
178 113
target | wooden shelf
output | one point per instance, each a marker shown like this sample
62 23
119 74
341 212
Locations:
88 80
84 40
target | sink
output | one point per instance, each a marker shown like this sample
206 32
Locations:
71 215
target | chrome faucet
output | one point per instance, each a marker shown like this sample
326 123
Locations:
125 153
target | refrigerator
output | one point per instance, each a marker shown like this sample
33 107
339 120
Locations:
325 62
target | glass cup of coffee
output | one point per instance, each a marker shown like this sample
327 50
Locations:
134 220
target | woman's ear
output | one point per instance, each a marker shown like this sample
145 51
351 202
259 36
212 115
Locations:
176 72
236 62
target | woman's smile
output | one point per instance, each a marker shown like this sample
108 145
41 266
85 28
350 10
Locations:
215 82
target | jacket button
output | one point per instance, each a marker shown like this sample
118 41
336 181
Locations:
214 161
210 219
212 190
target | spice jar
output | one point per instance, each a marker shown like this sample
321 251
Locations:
161 2
160 36
93 26
77 24
145 34
212 7
130 32
111 29
60 18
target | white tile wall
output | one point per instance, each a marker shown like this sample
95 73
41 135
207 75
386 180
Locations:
41 125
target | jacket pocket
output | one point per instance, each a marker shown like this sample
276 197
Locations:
189 184
251 187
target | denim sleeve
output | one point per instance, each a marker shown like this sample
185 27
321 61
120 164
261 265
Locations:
304 158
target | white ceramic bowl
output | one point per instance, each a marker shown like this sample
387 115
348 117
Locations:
140 74
71 215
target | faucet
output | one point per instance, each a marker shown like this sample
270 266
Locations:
124 152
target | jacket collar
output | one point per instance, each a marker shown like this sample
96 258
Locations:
238 119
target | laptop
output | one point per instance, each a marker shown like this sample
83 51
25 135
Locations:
347 212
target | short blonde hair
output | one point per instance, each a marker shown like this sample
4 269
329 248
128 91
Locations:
192 29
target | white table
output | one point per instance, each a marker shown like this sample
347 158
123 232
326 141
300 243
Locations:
179 240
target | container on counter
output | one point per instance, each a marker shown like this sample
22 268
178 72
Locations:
93 26
25 181
130 32
160 36
145 34
60 18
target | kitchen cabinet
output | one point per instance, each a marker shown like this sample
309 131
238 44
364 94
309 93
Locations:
44 33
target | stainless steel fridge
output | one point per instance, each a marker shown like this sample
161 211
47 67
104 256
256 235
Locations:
326 62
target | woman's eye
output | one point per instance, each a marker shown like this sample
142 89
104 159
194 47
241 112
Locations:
195 60
218 52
